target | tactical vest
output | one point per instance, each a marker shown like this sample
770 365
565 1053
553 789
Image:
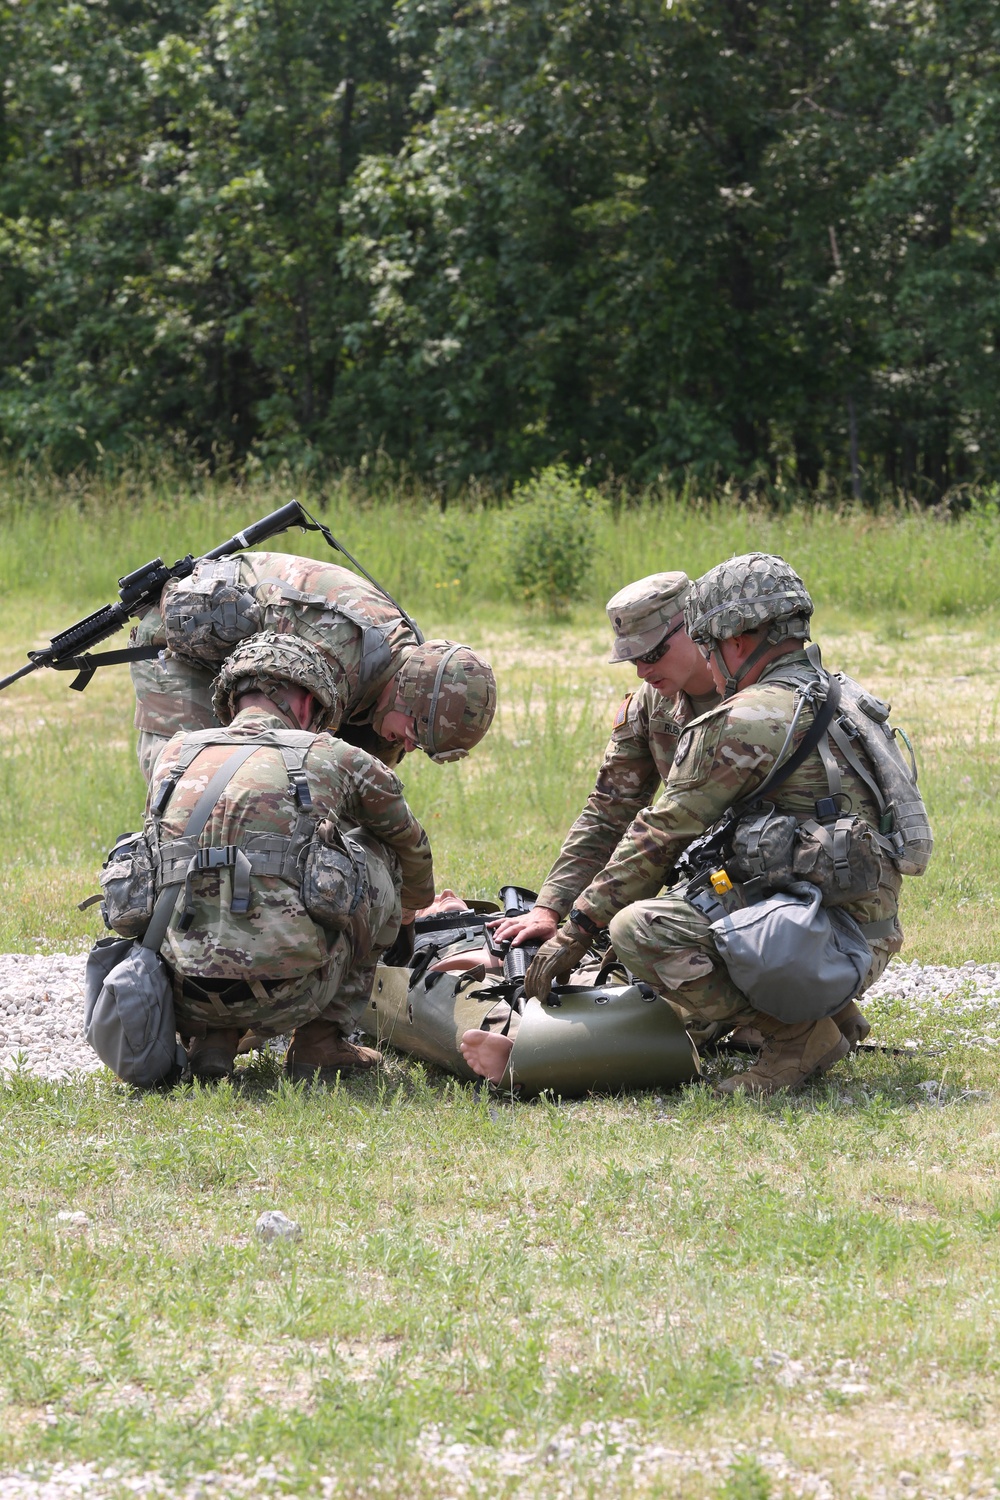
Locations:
325 867
765 850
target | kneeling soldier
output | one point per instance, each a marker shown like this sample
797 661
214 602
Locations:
300 875
844 815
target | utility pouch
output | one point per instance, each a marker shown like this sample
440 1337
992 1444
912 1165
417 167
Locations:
841 857
771 851
128 886
205 615
333 877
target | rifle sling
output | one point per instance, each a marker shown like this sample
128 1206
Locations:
778 775
88 662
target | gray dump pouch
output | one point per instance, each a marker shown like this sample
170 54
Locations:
128 1015
794 959
128 886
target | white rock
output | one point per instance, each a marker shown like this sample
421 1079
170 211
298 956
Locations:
274 1225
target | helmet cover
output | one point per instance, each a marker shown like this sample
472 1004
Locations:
451 694
269 660
745 593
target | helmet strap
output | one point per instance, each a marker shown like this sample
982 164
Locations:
431 745
281 703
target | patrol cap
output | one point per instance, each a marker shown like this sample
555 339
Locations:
641 613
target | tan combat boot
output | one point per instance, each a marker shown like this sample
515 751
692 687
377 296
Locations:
853 1023
791 1055
319 1051
214 1054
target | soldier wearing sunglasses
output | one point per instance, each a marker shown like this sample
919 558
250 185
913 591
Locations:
675 687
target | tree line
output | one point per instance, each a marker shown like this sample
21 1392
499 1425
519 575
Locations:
716 237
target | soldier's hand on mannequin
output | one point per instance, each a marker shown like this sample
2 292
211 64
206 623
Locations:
535 926
556 959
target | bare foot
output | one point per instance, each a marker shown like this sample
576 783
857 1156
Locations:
487 1053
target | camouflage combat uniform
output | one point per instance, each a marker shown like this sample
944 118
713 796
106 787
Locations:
720 759
287 968
637 760
317 601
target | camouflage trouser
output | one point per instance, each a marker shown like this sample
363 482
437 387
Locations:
338 992
666 942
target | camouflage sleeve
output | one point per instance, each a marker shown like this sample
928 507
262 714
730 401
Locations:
169 694
722 757
626 782
371 795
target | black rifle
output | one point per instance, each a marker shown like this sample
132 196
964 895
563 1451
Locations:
516 901
141 590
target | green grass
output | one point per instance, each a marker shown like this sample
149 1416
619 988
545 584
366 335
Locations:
653 1296
723 1280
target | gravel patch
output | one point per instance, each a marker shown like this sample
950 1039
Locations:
41 1006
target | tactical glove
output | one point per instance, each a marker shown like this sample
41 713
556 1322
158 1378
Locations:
555 959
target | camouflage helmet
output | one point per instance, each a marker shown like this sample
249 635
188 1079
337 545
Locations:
267 661
451 694
744 594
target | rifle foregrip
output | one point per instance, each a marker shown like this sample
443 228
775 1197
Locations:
85 633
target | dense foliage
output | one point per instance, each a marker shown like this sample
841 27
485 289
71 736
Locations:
723 236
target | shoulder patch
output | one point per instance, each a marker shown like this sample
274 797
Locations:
683 746
622 713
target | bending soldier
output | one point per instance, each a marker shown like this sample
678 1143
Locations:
676 685
751 617
398 694
298 880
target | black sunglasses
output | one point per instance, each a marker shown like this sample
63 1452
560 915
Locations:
653 656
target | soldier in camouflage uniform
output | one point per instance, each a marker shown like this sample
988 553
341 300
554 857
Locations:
647 619
224 601
273 966
751 615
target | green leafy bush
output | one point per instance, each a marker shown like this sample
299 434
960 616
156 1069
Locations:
550 534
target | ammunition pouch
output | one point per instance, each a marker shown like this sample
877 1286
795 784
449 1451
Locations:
772 851
333 877
128 886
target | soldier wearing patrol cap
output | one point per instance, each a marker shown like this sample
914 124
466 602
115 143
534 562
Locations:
647 618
